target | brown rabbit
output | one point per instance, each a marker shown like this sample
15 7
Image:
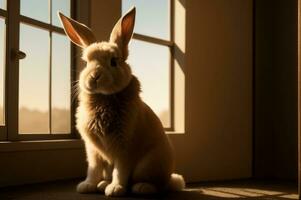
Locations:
125 142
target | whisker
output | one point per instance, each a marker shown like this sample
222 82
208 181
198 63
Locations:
75 91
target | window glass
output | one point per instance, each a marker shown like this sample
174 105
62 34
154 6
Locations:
61 82
3 4
2 69
152 17
62 6
34 80
36 9
150 63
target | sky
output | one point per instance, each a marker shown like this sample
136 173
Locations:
3 4
152 17
150 62
34 90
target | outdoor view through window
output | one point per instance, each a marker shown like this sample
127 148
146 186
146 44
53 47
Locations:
151 62
44 75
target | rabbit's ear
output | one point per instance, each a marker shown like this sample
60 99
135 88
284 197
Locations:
123 31
78 33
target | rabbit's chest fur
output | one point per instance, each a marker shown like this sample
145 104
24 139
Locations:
108 117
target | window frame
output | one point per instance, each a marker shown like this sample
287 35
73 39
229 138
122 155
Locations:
13 18
171 45
3 129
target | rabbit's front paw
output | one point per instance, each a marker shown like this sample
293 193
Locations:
101 186
86 187
115 190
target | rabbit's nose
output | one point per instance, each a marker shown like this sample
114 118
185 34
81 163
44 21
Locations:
95 76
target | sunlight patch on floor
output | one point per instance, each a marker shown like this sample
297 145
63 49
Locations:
290 196
238 191
241 193
219 194
263 192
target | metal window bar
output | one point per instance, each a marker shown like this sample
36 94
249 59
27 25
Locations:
172 71
12 74
3 13
50 71
153 40
39 24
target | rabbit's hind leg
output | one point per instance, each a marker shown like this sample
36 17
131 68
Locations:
151 173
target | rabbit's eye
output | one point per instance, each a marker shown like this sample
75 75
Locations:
114 62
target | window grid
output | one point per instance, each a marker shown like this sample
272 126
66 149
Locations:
13 21
171 45
3 13
51 29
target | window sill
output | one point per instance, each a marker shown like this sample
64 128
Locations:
174 132
7 146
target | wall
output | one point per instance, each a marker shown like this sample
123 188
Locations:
41 161
276 128
218 72
104 15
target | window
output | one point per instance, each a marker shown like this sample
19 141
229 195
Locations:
150 57
39 75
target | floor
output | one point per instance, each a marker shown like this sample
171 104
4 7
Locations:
243 189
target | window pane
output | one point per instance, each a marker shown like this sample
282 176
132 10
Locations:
150 63
36 9
3 4
152 17
2 70
34 80
62 6
60 84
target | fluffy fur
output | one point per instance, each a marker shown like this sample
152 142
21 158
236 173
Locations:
126 146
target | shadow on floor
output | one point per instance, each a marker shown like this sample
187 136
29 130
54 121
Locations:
244 189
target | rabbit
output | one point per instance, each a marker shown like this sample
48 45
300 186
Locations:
126 146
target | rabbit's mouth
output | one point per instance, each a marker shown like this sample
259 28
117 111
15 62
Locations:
99 83
93 81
